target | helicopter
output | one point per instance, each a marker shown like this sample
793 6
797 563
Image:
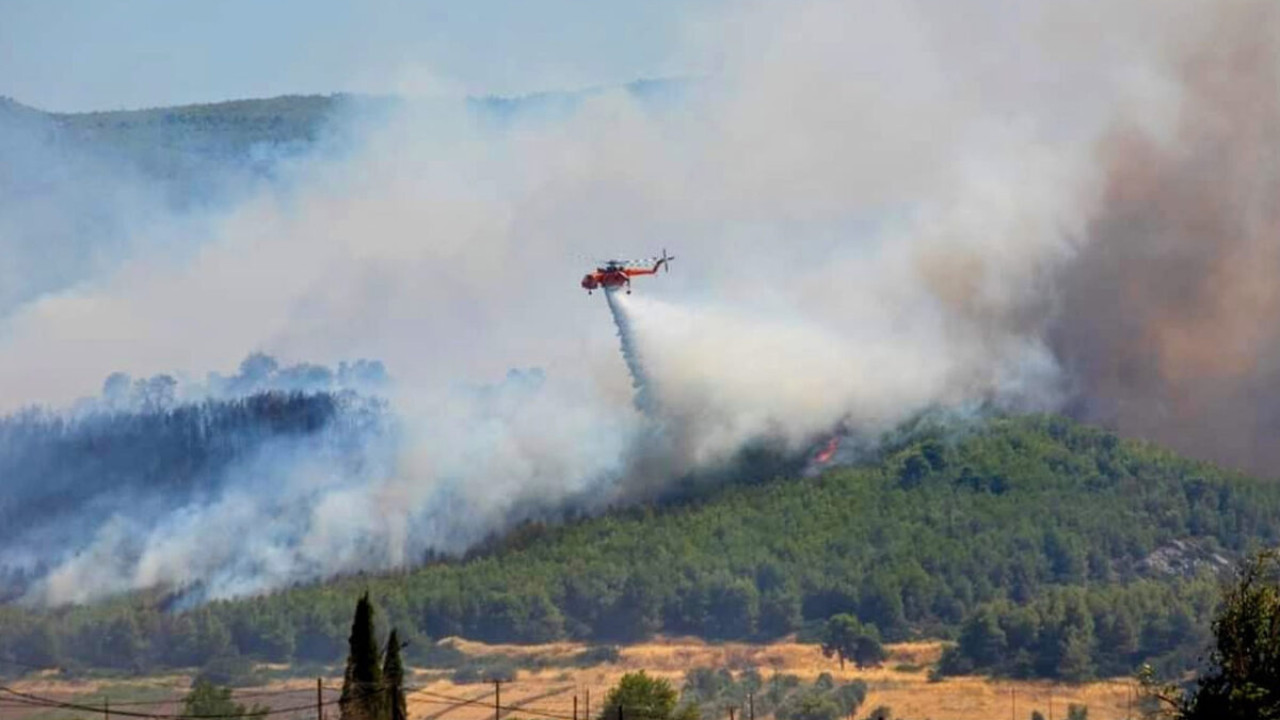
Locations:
613 274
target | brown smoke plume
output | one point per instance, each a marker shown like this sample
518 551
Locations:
1169 316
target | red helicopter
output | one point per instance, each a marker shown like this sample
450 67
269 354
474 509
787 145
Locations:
614 274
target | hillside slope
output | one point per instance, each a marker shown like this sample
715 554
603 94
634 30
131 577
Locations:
1060 549
190 155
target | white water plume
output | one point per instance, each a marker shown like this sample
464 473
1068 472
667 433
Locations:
640 380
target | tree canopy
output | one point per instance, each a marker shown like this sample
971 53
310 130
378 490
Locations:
1243 678
207 699
642 697
847 639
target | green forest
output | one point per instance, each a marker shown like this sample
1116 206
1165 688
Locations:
1044 548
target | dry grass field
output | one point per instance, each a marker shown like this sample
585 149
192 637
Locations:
902 684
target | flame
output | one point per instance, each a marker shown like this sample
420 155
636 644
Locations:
824 456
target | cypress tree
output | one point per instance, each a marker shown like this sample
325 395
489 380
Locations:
393 675
362 682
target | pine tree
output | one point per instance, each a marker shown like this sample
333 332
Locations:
393 675
362 682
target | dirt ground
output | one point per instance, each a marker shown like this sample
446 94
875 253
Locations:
901 683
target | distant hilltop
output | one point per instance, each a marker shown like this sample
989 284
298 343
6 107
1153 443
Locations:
180 143
308 111
188 147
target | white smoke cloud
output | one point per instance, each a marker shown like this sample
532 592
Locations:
868 200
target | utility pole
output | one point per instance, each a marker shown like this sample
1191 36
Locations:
588 715
575 707
319 699
1013 703
751 706
497 699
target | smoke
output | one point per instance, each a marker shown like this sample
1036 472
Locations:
881 208
63 212
1167 319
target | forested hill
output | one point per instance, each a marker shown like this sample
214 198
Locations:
188 155
1048 548
191 146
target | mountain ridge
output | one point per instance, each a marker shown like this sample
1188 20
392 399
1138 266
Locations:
1035 523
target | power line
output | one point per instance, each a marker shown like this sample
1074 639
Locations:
19 663
38 701
234 696
453 701
46 703
632 713
460 701
21 699
500 707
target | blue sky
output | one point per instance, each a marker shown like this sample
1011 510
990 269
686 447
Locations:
72 55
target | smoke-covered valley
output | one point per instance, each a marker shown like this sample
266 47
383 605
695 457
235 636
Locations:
878 208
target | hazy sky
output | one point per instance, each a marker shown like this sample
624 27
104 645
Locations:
71 55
